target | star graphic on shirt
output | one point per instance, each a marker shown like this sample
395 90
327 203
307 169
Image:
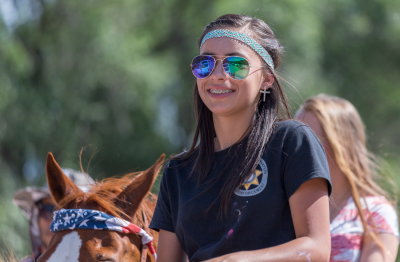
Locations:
254 180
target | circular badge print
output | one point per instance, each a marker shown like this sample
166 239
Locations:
255 183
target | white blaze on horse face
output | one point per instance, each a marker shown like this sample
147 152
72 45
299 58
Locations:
68 249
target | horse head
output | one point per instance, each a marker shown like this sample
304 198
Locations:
120 207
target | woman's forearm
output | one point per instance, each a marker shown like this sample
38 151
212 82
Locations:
301 249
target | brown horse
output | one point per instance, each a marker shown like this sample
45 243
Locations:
125 199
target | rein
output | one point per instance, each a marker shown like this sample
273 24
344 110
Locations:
70 219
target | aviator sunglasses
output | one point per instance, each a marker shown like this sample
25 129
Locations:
236 67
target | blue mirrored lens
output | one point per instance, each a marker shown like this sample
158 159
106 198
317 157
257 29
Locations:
202 66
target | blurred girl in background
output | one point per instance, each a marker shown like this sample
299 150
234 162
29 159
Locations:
364 224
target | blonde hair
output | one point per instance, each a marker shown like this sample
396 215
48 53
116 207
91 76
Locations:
345 134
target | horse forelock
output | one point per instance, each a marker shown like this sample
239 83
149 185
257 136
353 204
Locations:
103 194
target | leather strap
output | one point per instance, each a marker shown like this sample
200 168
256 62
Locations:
143 256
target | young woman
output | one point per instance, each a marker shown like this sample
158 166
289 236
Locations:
251 187
364 224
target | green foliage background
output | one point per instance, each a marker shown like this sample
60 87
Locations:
112 77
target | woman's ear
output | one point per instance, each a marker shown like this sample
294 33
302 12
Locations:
268 80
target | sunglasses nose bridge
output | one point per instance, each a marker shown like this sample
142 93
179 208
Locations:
219 67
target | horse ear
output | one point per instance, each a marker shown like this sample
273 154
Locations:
129 200
59 184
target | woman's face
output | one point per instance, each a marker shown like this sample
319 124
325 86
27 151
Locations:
242 95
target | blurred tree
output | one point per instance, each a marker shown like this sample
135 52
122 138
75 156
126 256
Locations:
361 59
88 78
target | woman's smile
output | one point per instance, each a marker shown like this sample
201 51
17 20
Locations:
220 91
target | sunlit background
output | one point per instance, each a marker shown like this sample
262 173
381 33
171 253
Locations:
112 78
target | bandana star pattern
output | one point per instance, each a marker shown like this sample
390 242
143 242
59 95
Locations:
70 219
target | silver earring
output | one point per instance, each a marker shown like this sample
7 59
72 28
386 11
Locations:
264 92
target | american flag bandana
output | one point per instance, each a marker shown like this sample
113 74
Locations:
70 219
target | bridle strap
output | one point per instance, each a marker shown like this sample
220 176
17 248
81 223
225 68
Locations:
143 256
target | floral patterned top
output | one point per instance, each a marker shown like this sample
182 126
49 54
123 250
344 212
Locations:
347 230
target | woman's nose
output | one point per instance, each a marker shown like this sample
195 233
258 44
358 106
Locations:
219 71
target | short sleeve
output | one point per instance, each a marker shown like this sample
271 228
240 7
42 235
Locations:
382 216
162 218
305 159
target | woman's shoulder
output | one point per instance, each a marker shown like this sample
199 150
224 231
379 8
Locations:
378 203
370 202
290 126
181 162
375 205
382 214
181 158
289 130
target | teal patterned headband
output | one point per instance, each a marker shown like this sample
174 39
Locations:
242 38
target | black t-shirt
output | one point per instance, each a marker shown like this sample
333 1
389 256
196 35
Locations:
259 216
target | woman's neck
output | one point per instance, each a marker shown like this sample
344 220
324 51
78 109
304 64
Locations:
230 129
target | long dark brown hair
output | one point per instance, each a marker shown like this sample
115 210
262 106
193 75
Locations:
246 154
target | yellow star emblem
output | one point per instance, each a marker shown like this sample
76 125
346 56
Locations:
254 181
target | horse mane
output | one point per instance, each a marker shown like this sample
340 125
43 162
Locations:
102 195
